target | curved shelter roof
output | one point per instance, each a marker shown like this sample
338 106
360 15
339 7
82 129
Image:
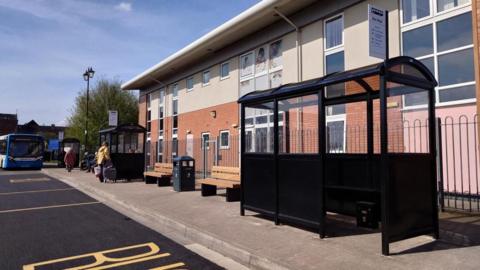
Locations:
128 128
401 69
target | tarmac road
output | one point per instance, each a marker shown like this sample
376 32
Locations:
46 224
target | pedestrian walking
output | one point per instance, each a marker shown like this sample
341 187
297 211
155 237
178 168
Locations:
103 155
69 159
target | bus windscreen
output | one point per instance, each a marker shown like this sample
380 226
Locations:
25 148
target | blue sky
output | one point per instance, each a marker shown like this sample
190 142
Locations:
46 45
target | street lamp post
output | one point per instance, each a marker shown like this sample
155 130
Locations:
87 75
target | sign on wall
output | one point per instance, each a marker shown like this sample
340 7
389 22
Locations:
113 118
61 135
377 32
189 148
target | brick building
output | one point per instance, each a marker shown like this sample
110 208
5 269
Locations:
8 123
190 97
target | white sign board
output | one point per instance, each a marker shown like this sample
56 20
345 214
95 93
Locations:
112 118
377 32
189 145
61 135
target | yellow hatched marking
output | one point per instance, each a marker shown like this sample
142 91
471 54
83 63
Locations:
35 191
30 180
170 266
46 207
102 258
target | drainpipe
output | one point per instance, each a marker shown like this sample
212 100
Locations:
297 43
298 47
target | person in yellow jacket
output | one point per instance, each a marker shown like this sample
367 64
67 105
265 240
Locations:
103 155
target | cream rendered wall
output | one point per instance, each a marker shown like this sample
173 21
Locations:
289 58
356 32
312 50
215 93
154 104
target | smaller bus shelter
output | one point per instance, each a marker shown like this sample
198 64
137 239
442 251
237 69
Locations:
126 149
64 146
338 144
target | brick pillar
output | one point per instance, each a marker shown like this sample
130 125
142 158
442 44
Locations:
476 52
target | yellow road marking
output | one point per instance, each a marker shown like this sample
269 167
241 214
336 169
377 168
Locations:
46 207
130 262
102 258
35 191
170 266
30 180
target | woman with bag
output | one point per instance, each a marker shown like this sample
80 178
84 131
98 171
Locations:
103 155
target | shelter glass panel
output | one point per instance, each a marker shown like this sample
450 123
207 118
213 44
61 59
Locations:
298 126
355 130
259 128
407 129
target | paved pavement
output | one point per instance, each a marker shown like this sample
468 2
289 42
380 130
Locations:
257 243
47 224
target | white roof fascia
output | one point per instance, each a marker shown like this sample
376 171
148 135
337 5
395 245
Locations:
215 32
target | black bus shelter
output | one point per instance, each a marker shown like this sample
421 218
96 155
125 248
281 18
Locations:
337 144
126 149
70 143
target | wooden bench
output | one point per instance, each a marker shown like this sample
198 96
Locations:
223 177
161 174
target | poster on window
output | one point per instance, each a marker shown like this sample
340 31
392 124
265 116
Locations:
276 54
246 87
261 60
246 65
275 79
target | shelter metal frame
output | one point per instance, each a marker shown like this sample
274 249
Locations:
302 187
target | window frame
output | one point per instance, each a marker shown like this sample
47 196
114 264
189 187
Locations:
202 146
221 146
209 77
337 47
433 20
221 70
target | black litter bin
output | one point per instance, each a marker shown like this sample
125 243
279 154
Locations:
183 173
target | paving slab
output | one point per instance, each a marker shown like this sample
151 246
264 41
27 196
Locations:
257 243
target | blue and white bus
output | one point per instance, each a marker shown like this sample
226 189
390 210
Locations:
21 151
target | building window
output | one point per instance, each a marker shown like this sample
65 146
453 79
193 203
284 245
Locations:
160 150
149 114
206 78
334 32
224 71
261 68
174 147
415 9
205 140
224 139
443 42
161 112
175 109
335 62
443 5
190 84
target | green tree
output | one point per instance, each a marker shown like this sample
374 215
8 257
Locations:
104 96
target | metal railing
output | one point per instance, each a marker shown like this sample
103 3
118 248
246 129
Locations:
457 148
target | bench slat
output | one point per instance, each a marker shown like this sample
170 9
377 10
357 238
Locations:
220 183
